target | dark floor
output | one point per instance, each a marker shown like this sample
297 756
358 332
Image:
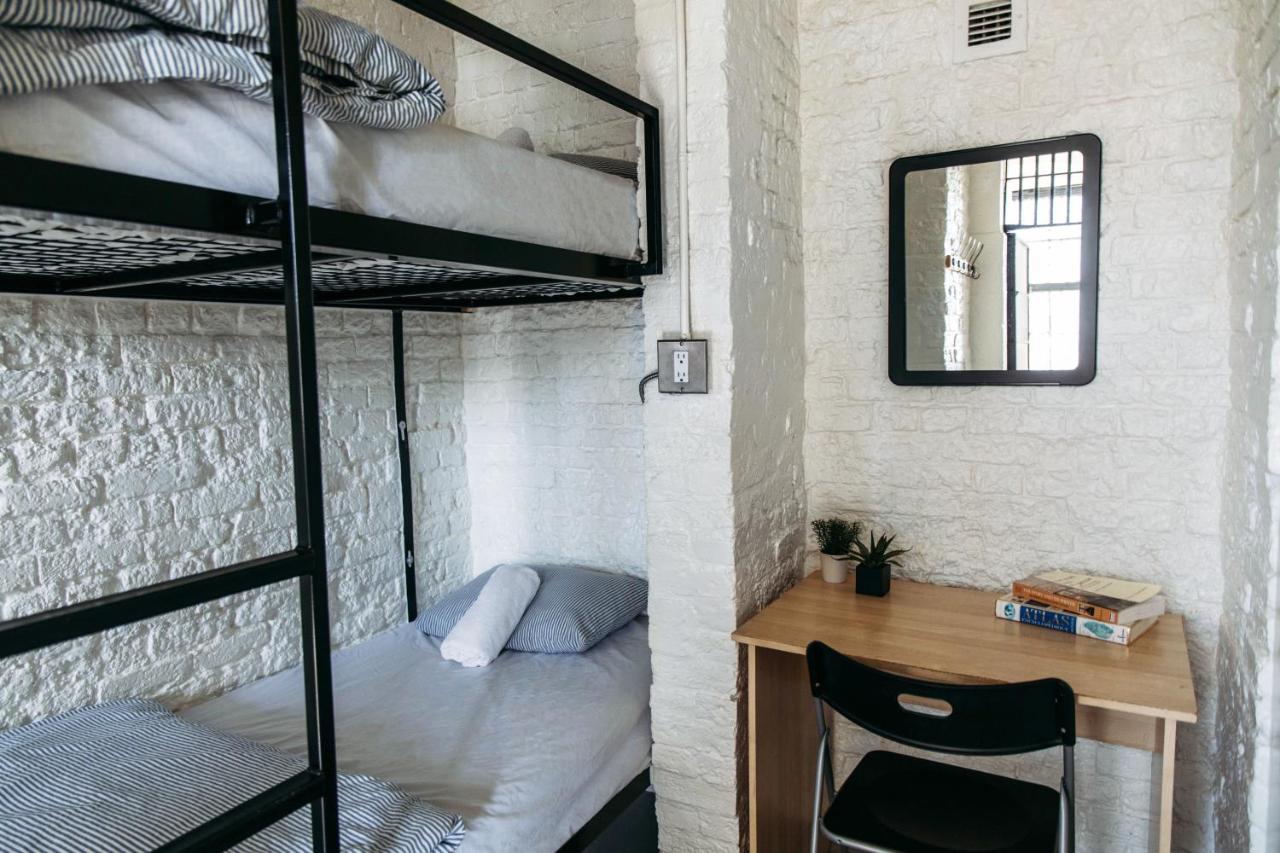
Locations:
635 830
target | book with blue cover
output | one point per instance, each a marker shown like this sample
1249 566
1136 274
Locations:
1018 609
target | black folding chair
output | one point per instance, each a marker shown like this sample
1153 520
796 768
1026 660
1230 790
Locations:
895 802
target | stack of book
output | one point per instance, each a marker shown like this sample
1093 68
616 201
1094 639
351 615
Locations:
1106 609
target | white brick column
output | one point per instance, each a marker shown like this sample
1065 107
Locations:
724 478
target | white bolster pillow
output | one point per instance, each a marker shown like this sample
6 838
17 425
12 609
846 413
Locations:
483 630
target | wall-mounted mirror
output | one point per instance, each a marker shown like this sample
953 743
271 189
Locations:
993 264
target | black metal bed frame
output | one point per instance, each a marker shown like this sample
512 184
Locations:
219 246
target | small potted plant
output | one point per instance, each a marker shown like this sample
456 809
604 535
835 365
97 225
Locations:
874 560
835 536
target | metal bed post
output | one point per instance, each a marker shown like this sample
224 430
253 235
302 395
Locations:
406 469
304 411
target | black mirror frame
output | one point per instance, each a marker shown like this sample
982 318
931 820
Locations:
1086 368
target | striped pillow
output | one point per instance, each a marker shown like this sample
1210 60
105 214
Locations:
575 608
348 73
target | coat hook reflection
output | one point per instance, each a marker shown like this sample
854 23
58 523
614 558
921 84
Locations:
963 259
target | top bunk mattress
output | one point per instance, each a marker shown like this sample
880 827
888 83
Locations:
526 749
433 175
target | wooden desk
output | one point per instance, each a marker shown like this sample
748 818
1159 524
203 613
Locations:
1133 696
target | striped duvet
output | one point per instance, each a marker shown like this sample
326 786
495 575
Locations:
348 74
130 776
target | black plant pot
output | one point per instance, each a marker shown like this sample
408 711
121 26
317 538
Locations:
871 581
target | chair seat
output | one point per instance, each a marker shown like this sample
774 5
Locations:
914 805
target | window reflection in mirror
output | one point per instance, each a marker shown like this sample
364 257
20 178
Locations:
993 264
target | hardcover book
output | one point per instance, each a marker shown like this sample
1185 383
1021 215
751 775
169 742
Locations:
1017 609
1117 602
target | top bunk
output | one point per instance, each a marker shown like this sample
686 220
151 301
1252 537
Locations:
168 190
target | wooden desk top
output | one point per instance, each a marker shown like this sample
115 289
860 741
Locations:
948 632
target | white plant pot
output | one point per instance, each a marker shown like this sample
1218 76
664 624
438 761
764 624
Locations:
835 569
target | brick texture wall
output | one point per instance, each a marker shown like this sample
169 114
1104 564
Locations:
1247 645
1124 476
151 441
555 440
724 474
687 462
766 303
495 93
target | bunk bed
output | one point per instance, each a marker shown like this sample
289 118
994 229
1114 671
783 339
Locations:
92 222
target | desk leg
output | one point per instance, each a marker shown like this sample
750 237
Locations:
1162 779
782 750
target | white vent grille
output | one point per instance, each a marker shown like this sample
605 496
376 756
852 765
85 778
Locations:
989 28
990 22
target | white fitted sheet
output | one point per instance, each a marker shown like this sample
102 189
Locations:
526 749
433 175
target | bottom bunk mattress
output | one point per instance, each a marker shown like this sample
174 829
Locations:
526 749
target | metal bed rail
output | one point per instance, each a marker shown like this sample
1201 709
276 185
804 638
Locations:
317 786
480 30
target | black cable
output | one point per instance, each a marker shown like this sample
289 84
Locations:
643 382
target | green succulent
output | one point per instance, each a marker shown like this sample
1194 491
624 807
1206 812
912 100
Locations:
875 553
835 535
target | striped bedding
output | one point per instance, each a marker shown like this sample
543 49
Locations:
129 775
348 74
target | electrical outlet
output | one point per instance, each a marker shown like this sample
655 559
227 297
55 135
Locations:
682 367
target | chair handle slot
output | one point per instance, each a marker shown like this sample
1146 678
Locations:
924 705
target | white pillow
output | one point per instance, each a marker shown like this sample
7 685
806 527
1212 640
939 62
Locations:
483 630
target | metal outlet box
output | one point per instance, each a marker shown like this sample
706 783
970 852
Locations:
682 367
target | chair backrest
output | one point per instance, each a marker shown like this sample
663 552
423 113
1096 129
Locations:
964 719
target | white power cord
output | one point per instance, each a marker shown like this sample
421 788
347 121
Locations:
682 149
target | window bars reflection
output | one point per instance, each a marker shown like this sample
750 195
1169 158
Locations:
1044 189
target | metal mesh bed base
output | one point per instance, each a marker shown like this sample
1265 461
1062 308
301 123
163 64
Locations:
57 256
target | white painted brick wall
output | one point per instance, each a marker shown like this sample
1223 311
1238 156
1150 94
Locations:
688 470
150 441
495 93
767 310
767 302
1124 476
1247 651
725 487
555 440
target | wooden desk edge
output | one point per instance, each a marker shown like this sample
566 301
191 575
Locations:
1089 701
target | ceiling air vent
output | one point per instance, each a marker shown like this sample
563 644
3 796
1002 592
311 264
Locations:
990 28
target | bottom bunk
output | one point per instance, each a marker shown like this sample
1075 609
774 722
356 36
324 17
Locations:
525 749
534 752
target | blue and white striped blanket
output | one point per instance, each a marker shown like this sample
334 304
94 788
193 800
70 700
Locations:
348 74
130 775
